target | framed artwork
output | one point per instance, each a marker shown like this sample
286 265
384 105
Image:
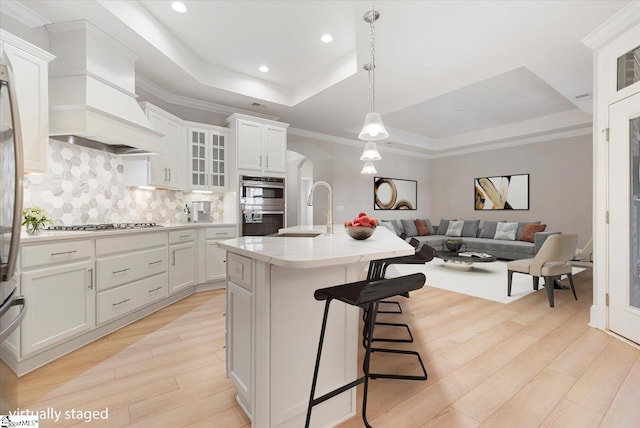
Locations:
502 192
394 194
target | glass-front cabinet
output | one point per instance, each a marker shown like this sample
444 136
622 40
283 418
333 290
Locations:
207 155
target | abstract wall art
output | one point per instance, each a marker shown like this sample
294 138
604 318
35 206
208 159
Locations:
503 192
394 194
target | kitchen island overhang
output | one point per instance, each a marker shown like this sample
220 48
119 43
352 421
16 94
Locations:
273 321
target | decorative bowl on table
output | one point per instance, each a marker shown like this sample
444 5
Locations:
361 227
453 245
360 232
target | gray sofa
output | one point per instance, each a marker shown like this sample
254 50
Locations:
478 236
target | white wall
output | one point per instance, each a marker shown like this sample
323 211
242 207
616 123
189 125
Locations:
340 166
560 184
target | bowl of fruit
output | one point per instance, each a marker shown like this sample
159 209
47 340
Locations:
361 227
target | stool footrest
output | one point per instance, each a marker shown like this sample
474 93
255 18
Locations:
399 376
393 324
391 302
337 391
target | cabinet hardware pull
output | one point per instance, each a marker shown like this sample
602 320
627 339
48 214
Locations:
64 252
91 279
119 303
169 174
221 233
120 271
155 289
267 161
260 161
184 236
173 258
156 262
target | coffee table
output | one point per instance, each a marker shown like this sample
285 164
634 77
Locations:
456 261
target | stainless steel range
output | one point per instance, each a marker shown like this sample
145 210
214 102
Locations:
102 227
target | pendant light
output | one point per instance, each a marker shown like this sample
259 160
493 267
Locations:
368 168
373 128
370 152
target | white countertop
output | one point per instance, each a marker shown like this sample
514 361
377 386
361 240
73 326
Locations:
51 235
322 250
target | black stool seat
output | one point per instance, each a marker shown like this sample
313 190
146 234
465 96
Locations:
366 294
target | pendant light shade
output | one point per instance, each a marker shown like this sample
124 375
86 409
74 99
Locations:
368 168
373 128
370 152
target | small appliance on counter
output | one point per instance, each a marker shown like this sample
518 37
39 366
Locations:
201 211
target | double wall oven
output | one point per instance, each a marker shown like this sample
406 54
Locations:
261 205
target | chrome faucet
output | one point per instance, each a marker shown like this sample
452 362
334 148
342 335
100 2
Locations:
330 197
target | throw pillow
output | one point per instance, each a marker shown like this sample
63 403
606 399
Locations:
530 230
409 227
432 230
423 228
397 225
455 228
470 228
488 229
521 225
443 226
388 225
506 230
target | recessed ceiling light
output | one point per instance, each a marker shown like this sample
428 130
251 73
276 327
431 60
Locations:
326 38
178 6
263 68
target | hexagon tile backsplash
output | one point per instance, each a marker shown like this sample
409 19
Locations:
87 186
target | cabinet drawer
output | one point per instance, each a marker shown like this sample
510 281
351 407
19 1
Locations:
179 236
122 300
60 252
239 270
224 232
118 270
130 242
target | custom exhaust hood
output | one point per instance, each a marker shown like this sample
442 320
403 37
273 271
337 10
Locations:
92 100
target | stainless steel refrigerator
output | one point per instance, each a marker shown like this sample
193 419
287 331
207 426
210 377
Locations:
14 306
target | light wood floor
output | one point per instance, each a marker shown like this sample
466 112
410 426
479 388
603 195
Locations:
493 365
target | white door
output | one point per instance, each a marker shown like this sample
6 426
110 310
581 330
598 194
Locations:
624 218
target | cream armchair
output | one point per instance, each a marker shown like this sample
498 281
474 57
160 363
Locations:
551 261
585 254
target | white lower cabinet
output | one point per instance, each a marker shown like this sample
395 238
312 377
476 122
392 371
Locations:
215 264
80 289
124 299
239 318
215 268
61 303
182 259
131 272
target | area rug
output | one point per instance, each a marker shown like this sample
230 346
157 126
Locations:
486 280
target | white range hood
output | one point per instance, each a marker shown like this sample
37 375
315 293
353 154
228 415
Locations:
92 98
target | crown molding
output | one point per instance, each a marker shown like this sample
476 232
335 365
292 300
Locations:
553 136
180 100
18 11
30 48
614 26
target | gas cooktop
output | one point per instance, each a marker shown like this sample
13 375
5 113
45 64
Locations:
102 227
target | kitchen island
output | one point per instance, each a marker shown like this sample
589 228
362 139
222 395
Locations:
273 321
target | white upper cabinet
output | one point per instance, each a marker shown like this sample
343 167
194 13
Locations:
167 169
261 144
208 150
30 66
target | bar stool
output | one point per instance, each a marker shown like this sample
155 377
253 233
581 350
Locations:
378 269
365 294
